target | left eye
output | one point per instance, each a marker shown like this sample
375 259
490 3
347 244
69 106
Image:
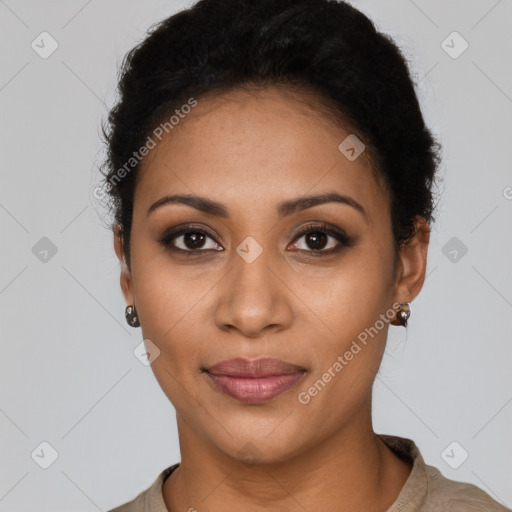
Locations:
320 240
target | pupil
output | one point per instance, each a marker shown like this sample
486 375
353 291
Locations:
317 240
195 240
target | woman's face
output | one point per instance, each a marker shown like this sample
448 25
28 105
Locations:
253 286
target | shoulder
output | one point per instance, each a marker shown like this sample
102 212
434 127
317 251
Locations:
428 490
151 499
136 504
452 496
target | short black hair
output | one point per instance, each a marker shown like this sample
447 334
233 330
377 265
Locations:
325 46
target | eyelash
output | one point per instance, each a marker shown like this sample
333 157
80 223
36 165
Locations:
341 236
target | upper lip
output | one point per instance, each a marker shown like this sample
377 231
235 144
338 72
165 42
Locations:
264 367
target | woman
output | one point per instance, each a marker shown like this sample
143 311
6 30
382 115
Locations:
271 181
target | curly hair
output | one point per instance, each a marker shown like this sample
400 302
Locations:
325 46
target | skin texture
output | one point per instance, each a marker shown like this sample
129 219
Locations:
250 150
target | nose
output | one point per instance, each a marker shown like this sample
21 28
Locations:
252 298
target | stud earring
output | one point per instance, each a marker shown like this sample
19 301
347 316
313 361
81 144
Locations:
131 316
403 314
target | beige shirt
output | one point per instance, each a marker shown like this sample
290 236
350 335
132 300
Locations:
426 489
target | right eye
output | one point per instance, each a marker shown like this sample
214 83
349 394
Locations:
190 240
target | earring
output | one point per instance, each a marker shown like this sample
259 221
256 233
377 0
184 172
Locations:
131 316
403 314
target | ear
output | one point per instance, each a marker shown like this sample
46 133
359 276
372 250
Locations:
125 278
413 263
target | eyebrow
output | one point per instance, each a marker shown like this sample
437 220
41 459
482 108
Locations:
284 208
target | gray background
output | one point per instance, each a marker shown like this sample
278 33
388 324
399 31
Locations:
68 375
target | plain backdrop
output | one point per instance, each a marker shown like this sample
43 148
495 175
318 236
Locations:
68 375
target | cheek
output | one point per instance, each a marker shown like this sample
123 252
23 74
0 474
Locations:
168 303
170 309
172 318
351 296
163 291
347 359
352 304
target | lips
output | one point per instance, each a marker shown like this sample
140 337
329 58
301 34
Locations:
254 381
265 367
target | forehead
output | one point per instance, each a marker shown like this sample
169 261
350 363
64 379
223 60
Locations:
253 144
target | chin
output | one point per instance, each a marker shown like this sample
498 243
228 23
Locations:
264 445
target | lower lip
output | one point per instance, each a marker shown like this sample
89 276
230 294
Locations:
255 390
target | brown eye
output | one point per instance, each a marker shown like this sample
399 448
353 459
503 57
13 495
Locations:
320 240
316 240
193 240
189 240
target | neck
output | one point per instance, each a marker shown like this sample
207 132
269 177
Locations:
351 470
